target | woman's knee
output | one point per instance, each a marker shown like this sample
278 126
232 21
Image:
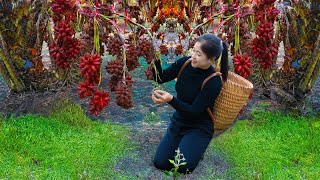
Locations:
161 163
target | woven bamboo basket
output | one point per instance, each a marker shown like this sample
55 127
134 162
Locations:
233 96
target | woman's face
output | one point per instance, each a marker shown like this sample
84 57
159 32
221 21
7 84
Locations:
199 58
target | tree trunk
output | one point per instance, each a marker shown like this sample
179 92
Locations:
22 30
8 69
300 33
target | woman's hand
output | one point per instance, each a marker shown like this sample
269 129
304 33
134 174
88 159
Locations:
159 96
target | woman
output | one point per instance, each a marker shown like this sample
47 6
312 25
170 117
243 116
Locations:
191 128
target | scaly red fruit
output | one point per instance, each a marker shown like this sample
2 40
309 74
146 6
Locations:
123 95
60 56
62 6
99 100
132 57
90 65
85 89
242 65
115 67
113 83
265 31
73 48
114 45
63 31
129 79
145 46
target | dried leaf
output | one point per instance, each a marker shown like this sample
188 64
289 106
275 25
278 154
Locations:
33 51
291 51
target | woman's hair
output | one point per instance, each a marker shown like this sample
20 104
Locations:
213 46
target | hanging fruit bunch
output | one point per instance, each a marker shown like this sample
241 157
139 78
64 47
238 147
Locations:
242 64
90 69
90 64
263 47
65 47
132 55
146 49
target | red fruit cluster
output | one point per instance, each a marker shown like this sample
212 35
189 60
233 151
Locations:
269 13
132 57
179 49
262 47
99 100
164 49
264 51
114 45
63 10
145 46
64 48
90 65
64 52
90 69
242 65
62 6
123 95
113 83
85 89
115 67
115 79
129 79
265 31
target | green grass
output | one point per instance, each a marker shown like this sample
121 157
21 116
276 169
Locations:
65 145
272 146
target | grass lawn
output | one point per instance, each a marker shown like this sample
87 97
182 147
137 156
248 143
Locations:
272 146
65 145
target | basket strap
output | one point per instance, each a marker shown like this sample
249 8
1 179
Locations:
183 67
209 77
204 83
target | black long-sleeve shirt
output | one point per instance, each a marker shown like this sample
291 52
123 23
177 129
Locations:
191 102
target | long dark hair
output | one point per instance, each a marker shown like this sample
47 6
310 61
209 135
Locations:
213 46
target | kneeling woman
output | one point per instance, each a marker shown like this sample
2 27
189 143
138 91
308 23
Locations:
191 128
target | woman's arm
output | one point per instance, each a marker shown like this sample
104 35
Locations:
170 73
205 98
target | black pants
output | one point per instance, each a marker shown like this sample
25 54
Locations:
192 142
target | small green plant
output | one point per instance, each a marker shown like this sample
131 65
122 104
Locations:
152 118
177 162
